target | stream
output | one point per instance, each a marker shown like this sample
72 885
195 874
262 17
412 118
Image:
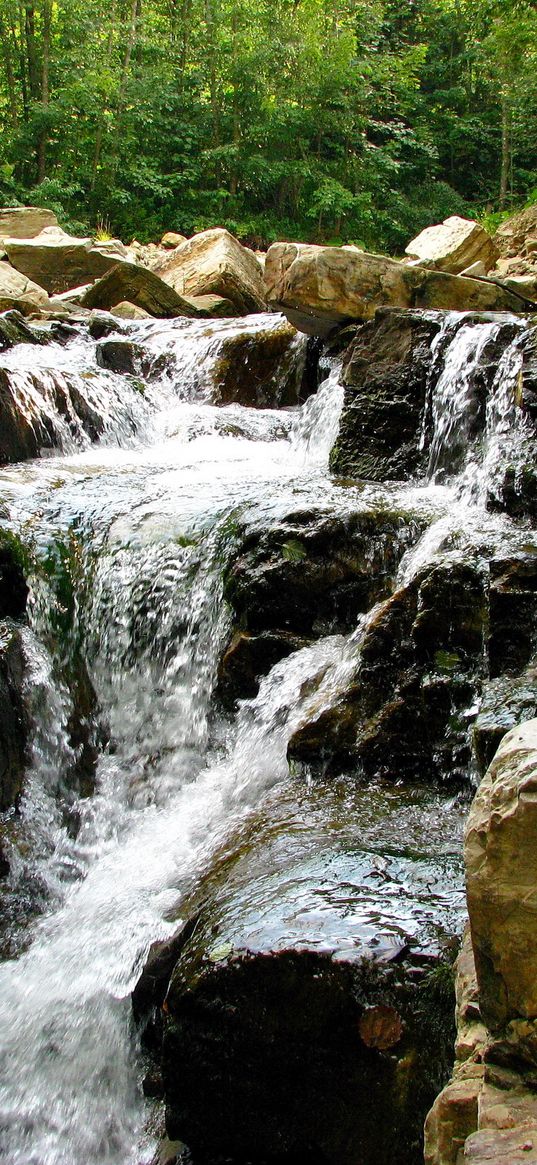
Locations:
129 536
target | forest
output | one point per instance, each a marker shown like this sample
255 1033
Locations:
333 121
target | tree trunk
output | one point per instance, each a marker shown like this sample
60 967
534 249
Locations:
213 85
43 135
10 75
234 177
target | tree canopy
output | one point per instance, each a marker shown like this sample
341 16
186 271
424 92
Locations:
327 120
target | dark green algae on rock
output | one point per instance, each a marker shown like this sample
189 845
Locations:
309 1015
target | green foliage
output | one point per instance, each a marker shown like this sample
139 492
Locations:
323 120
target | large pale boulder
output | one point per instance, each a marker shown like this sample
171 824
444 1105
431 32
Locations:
16 291
215 263
58 261
501 862
319 288
141 287
453 245
25 222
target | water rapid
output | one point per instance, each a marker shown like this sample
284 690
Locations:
130 523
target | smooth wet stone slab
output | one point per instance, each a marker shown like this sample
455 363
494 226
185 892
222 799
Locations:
308 1012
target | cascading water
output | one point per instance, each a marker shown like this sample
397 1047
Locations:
142 534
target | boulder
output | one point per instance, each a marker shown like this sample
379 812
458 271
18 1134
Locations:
129 311
16 291
58 262
386 369
215 306
487 1112
261 368
171 240
501 864
518 234
14 330
304 1020
419 669
319 288
453 245
25 222
215 263
138 285
310 575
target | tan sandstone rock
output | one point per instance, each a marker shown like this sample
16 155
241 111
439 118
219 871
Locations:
501 862
129 311
517 234
171 239
139 286
453 245
19 292
215 263
25 222
58 262
321 287
508 1147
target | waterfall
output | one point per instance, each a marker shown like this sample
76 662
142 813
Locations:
135 514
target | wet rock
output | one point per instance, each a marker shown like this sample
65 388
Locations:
308 576
282 1043
249 657
16 291
420 666
13 585
453 245
122 356
103 323
25 222
13 724
512 640
20 437
385 373
506 702
58 262
138 285
259 368
14 330
215 263
321 287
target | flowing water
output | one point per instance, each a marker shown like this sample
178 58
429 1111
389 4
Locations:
129 537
